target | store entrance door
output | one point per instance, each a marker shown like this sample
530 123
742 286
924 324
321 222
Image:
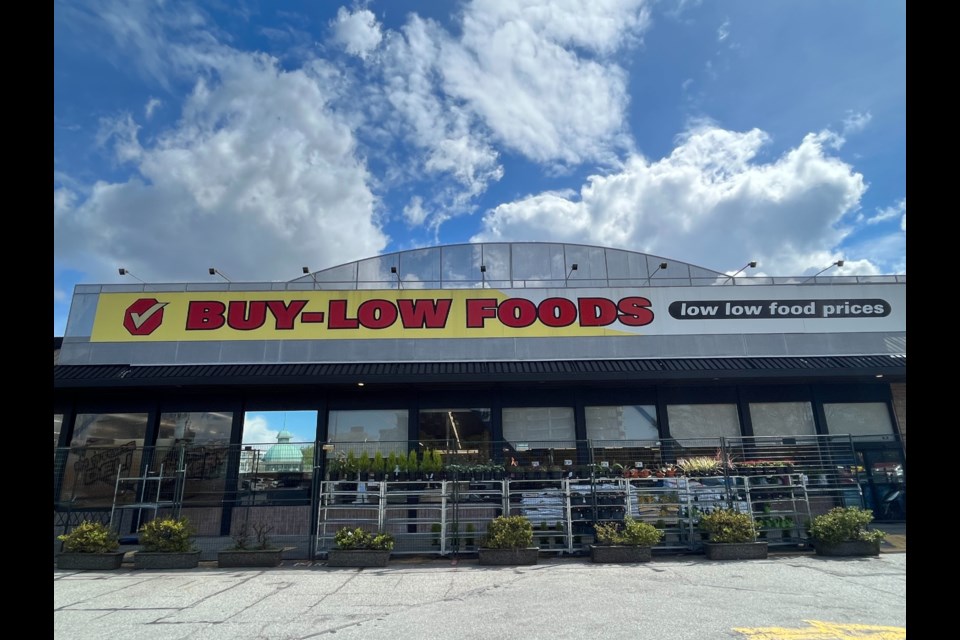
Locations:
883 481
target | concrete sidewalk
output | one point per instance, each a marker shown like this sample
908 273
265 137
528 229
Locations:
677 597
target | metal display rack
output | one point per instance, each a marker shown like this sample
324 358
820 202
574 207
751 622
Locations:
450 516
149 492
780 506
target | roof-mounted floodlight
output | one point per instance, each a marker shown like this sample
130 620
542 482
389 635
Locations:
216 272
124 272
752 265
838 263
661 266
394 271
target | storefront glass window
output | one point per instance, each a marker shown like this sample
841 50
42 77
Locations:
385 430
703 421
545 435
782 419
102 445
204 440
868 420
626 435
625 422
463 435
276 462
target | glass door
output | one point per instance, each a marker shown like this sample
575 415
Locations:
884 482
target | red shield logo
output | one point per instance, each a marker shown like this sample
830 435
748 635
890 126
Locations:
144 316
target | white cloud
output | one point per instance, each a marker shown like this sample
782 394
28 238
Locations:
903 223
414 213
358 32
257 176
899 209
257 430
152 105
526 77
723 31
537 76
855 122
121 131
709 202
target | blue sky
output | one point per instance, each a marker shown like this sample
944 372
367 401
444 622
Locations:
258 137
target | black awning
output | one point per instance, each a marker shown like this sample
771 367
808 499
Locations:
654 369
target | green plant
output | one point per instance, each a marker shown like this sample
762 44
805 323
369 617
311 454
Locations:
845 525
471 530
413 464
435 529
166 535
90 537
358 539
351 464
727 525
699 466
391 463
363 462
509 532
437 461
633 533
379 464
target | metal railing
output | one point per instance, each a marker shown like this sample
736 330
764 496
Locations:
443 505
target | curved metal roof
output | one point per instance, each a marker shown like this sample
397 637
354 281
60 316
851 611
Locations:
512 265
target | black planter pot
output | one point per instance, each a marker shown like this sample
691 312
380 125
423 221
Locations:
848 549
249 558
735 550
166 560
508 557
619 554
358 558
90 561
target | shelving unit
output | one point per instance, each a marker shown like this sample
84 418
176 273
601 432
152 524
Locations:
546 504
780 506
415 513
472 505
665 503
450 516
149 490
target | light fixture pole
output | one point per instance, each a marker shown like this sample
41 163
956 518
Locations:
216 272
573 268
124 272
313 276
393 270
752 264
838 263
662 265
483 276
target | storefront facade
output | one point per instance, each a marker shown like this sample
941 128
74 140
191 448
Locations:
544 356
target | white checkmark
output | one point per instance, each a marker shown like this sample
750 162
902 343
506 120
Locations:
140 318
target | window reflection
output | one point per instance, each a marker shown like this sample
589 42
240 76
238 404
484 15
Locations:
460 434
276 461
103 444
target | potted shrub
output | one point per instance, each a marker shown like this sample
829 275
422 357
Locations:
509 541
631 542
90 545
359 548
262 554
166 544
843 532
378 466
731 535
